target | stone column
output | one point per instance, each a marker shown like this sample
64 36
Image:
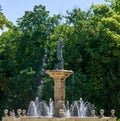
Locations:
59 77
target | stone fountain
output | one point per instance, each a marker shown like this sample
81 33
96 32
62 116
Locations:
59 75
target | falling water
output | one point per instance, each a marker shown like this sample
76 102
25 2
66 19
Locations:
32 110
50 108
78 108
67 109
40 108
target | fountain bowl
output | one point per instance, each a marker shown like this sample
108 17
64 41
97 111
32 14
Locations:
28 118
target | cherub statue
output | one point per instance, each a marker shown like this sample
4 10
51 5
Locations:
6 113
93 113
19 111
112 113
60 109
61 113
23 112
101 113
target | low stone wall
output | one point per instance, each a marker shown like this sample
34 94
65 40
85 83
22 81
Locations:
57 119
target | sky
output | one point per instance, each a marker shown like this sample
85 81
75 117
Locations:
14 9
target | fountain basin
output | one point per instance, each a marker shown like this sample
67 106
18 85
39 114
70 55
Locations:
57 119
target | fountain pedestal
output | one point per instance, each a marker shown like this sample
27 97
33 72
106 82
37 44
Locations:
59 77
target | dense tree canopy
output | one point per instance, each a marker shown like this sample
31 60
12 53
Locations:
95 42
115 5
92 51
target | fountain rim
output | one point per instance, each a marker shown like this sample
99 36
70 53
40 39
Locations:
60 71
46 117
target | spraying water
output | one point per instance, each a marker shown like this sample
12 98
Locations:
40 108
80 108
76 109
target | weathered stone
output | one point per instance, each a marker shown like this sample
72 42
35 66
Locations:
57 119
59 77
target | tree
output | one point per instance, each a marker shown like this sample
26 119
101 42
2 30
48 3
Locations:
95 43
36 43
115 5
23 53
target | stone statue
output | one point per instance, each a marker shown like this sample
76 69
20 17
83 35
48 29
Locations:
61 113
60 110
23 112
93 113
112 113
59 54
101 113
6 113
19 111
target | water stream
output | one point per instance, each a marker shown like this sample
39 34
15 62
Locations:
76 109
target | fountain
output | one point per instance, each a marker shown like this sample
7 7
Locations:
40 108
41 111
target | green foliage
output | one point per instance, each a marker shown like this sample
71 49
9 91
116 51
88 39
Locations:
115 5
96 48
23 54
48 89
4 22
77 86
